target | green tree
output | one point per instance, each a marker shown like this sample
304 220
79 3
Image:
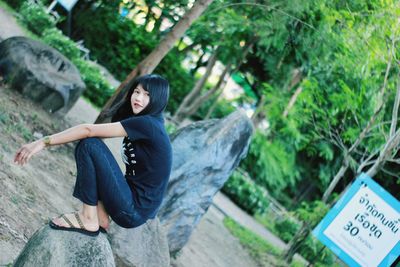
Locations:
348 95
148 64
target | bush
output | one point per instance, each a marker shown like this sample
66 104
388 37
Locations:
246 194
16 4
98 90
34 16
314 251
311 248
56 39
286 228
271 164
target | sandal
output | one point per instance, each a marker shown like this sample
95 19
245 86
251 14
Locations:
72 228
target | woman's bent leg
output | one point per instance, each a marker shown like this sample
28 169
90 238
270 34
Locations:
99 178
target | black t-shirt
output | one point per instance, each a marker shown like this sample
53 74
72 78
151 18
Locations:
147 155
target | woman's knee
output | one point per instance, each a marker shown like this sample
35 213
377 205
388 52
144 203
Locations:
88 142
91 140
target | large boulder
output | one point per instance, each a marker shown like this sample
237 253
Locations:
204 156
48 247
41 73
144 246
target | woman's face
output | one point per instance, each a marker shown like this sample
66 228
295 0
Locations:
140 99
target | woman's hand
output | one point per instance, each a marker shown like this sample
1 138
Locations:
27 151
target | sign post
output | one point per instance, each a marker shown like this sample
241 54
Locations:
363 227
67 5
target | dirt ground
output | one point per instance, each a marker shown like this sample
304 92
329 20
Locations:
31 194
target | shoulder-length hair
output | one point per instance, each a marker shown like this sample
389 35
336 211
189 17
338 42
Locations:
158 88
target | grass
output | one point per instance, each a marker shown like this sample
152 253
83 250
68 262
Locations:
15 127
266 221
259 249
4 118
24 131
249 239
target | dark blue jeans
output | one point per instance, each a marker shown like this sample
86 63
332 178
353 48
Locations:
99 178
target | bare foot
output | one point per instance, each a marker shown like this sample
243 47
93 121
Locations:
90 224
102 215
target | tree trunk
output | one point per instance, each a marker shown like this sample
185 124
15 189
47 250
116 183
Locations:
335 180
303 192
189 47
213 106
244 56
189 98
385 154
193 105
260 105
200 100
199 64
296 242
148 64
297 77
292 101
392 142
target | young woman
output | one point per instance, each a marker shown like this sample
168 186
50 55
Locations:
146 151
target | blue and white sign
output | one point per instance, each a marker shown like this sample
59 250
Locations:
363 226
67 4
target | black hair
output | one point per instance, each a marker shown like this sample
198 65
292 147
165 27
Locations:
158 88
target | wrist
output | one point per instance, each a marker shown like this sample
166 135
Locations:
46 141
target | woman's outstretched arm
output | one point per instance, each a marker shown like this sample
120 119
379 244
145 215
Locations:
78 132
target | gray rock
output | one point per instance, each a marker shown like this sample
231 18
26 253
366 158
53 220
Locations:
48 247
204 156
144 246
41 73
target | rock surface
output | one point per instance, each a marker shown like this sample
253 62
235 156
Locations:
144 246
48 247
41 73
204 156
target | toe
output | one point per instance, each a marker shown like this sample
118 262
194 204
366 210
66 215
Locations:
60 222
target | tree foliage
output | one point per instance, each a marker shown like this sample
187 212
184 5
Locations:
123 44
344 57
